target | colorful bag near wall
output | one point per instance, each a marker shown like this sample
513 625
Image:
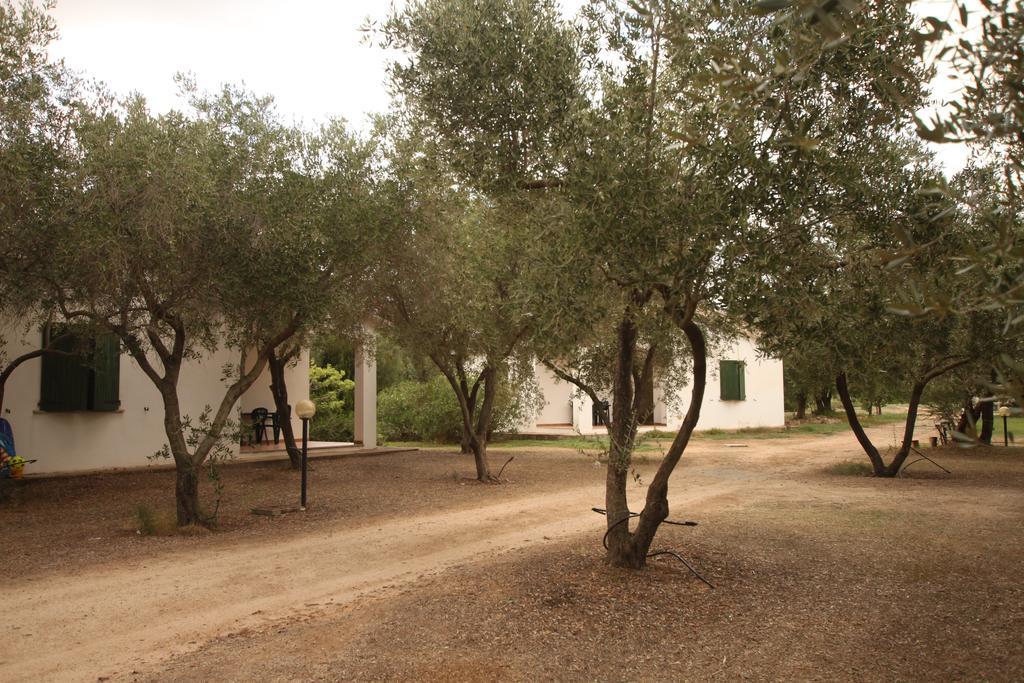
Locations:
7 453
7 434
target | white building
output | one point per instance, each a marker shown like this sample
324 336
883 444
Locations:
742 391
73 418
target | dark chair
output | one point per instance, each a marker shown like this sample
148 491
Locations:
259 423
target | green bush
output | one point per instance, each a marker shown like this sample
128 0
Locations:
419 411
145 520
332 394
429 411
332 426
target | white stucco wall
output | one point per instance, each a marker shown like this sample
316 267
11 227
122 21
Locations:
296 378
84 441
557 398
763 406
764 403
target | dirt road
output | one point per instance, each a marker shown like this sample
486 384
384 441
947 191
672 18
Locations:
115 621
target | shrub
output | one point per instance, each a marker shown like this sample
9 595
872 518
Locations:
333 395
429 411
148 522
145 520
419 411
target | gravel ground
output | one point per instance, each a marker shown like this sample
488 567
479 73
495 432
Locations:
817 578
73 523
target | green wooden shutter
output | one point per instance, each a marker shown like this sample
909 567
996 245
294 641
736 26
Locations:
741 381
65 381
725 379
106 373
731 380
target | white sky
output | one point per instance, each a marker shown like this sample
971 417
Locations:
309 54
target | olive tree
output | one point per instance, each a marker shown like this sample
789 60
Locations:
36 116
851 307
660 182
172 237
451 288
978 48
839 84
321 220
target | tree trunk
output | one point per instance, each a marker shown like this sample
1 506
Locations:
908 429
186 494
988 419
186 463
489 379
967 424
476 425
206 435
823 403
621 551
483 467
279 390
15 363
621 434
656 507
801 406
465 447
878 465
630 549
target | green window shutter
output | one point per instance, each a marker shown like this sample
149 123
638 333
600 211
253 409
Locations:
731 380
725 379
65 381
106 373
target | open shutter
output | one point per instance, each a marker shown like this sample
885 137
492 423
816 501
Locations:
65 381
741 381
106 373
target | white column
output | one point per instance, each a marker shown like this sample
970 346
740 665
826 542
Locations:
583 413
365 426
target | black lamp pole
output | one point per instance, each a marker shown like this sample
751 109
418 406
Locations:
1006 434
305 450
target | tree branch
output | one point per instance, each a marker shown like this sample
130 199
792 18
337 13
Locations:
578 383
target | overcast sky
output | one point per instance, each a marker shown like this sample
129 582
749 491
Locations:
309 54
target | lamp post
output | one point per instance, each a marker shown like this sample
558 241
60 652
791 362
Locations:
1004 412
305 410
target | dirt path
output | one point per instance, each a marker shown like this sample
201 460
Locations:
115 621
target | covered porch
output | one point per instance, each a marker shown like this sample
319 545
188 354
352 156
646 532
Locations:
317 449
271 443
